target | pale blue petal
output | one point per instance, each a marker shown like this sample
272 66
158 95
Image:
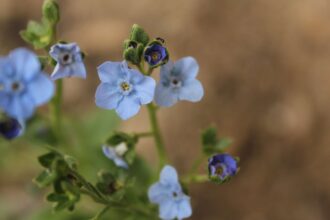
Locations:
168 175
168 209
57 49
111 72
128 107
20 107
60 72
184 208
187 67
41 89
158 192
165 70
191 91
78 69
4 100
107 96
135 76
6 69
145 90
25 63
165 96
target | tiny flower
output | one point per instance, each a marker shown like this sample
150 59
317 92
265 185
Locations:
222 167
116 154
168 194
23 86
123 89
10 128
178 82
69 61
155 54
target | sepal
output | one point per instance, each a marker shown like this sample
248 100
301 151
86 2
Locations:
212 144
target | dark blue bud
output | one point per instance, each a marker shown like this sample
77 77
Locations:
156 54
222 166
10 128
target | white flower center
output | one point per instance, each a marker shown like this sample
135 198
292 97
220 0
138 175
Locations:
175 82
121 149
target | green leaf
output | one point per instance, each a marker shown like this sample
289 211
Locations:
212 144
139 35
71 162
37 34
46 160
50 11
45 178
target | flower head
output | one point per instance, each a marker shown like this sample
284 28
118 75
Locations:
156 54
69 61
123 89
178 82
116 154
10 128
23 86
222 167
168 194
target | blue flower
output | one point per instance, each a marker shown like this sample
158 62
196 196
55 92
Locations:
178 82
10 128
116 154
222 167
155 54
123 89
23 86
69 61
168 194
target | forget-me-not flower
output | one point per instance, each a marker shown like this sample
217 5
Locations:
69 61
222 167
10 128
123 89
168 194
116 154
23 86
155 54
178 82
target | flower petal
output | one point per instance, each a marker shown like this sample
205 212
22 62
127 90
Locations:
41 89
168 175
168 209
158 192
128 107
107 96
78 69
192 91
187 67
60 72
184 208
25 63
165 96
110 153
145 90
111 72
20 107
166 69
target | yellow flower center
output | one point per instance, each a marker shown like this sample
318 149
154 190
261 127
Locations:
219 170
155 56
125 86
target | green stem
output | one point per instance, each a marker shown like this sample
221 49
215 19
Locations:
56 105
144 134
101 213
157 135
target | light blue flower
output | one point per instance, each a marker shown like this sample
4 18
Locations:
116 154
123 89
168 194
23 86
69 61
178 82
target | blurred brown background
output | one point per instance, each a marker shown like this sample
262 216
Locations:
265 68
